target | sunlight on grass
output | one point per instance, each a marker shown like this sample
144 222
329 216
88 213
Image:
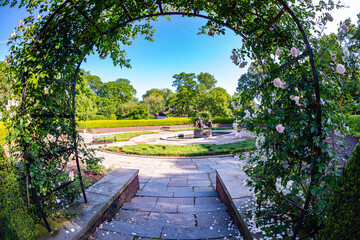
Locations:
186 150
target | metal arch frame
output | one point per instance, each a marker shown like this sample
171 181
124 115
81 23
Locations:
285 7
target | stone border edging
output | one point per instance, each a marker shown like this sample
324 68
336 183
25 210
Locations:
235 196
105 197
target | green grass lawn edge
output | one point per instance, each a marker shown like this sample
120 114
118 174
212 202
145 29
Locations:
186 150
120 137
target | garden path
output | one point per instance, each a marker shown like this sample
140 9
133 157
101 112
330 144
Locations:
176 200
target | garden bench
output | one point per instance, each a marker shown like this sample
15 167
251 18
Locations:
104 138
162 129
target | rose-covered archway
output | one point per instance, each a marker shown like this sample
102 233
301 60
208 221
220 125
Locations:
280 38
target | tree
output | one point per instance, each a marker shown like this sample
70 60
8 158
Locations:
86 107
133 111
155 103
217 101
119 92
191 90
246 80
152 98
186 86
206 82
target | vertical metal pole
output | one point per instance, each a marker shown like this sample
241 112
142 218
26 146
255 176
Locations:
318 110
28 161
74 133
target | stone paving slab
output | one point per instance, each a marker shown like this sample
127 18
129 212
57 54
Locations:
130 216
203 189
196 194
172 219
108 235
207 200
178 182
154 194
202 183
196 233
201 208
145 200
151 208
175 201
151 231
214 218
179 189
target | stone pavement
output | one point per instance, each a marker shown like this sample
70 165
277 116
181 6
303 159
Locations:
155 138
177 200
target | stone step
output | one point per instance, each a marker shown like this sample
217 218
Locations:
176 194
154 194
201 208
196 194
110 235
150 231
170 226
197 232
150 207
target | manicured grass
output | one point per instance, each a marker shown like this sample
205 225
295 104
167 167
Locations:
124 136
186 150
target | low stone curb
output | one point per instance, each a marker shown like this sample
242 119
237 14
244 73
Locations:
236 197
104 199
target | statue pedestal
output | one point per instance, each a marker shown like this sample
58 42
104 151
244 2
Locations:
202 133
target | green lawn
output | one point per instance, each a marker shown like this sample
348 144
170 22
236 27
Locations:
186 150
125 136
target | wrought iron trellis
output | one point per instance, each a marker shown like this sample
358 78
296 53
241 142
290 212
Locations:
284 8
74 149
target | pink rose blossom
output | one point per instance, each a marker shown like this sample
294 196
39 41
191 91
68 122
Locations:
279 84
280 128
346 28
278 52
340 69
294 51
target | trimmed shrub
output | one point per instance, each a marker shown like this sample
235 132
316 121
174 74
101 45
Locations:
343 215
133 123
15 223
354 124
2 134
223 120
99 117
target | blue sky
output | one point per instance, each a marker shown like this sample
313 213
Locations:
177 48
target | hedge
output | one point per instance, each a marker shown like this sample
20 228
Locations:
343 215
15 223
133 123
223 120
2 134
354 124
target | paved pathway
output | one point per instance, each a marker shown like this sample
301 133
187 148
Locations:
177 200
